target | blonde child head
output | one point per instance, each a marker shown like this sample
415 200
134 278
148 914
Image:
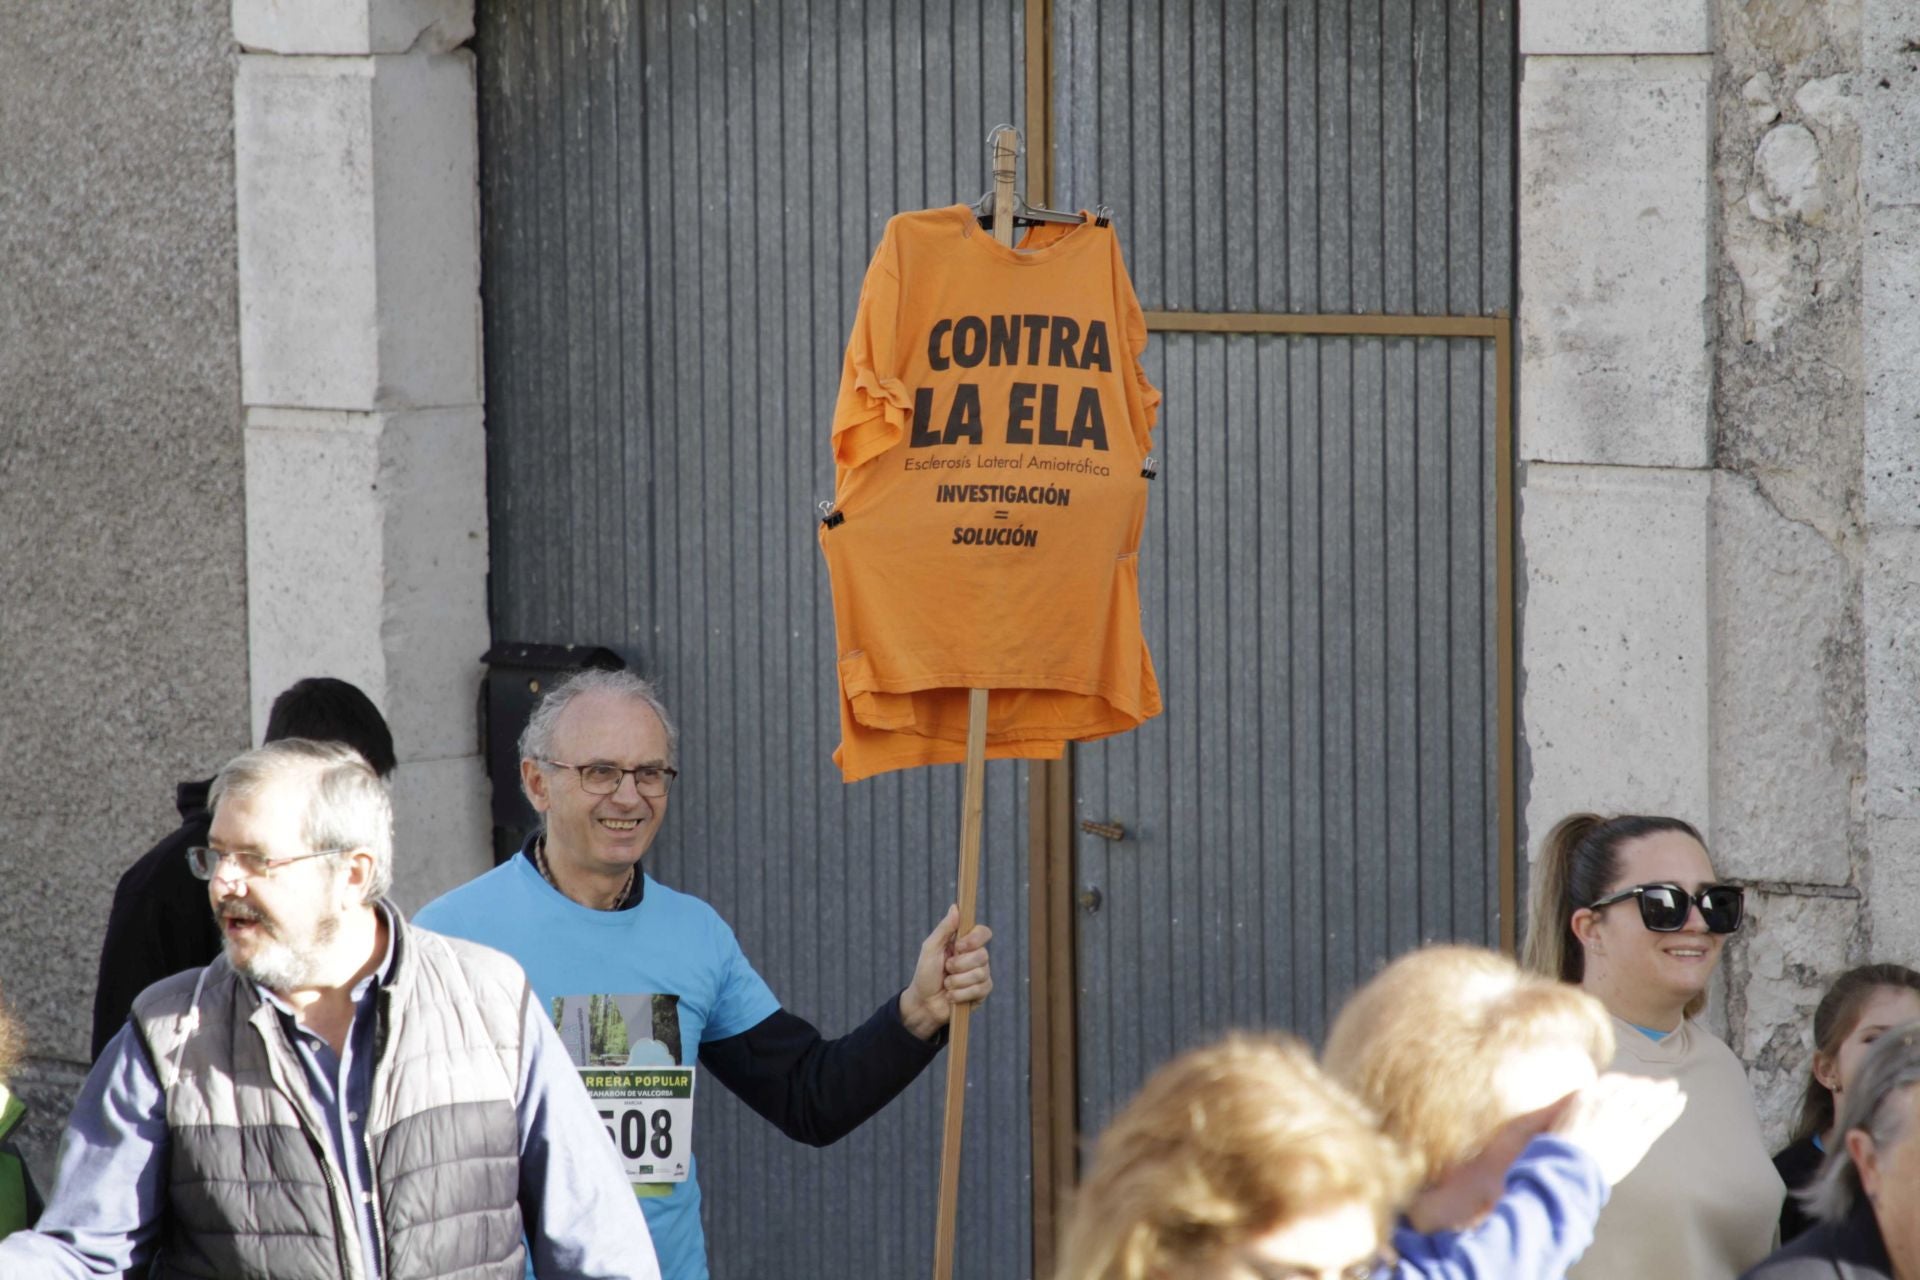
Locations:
1221 1147
1449 1044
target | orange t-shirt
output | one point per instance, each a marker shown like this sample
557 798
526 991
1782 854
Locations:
990 432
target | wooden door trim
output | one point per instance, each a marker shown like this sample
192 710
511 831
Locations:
1053 1065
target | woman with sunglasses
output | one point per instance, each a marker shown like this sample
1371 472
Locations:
1629 908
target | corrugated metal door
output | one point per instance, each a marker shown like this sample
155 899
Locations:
1319 566
679 202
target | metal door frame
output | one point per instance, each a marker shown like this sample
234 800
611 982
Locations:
1053 1007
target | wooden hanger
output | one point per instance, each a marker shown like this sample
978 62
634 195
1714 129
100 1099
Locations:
1005 145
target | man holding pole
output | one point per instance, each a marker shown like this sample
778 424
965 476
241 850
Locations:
643 981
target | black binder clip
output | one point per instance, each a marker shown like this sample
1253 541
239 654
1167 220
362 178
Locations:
829 517
1103 216
1149 468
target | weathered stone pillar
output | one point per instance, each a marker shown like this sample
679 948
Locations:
1720 251
1889 103
1615 423
357 170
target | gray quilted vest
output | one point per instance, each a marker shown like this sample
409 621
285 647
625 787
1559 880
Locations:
252 1187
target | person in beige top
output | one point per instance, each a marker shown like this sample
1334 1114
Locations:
1629 908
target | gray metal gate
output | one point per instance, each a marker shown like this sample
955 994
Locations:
679 201
1319 570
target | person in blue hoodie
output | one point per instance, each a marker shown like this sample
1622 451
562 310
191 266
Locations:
1489 1079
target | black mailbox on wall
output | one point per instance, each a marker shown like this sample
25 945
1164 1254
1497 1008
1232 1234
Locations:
517 674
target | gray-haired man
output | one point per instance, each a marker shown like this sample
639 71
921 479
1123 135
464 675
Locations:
646 982
339 1094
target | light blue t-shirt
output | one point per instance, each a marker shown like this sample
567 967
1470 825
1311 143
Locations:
670 967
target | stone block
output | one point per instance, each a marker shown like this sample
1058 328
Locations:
352 26
1629 26
315 515
443 835
1783 752
434 625
1827 102
1890 611
358 221
1792 176
1890 324
1757 93
1777 278
1792 35
1891 882
1614 283
1779 965
1890 102
1614 637
367 560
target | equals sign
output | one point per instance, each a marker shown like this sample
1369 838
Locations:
999 515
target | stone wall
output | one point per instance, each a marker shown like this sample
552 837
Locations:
240 438
1720 249
1788 543
357 165
1615 411
123 625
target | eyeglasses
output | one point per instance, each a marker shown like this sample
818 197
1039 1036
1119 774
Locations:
1664 907
650 780
206 862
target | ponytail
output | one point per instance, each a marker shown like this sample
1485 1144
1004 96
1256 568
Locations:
1551 949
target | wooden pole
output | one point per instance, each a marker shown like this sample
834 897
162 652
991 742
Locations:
1006 155
973 809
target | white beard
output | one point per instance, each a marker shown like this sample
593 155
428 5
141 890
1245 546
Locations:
279 966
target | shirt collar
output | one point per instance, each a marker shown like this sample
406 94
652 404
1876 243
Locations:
533 852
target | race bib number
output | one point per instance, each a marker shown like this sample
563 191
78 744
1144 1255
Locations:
648 1112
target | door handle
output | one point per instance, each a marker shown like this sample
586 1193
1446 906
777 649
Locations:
1090 899
1105 830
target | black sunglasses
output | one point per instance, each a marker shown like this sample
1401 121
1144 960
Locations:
1663 907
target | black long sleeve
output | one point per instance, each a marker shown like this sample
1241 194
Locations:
817 1090
160 922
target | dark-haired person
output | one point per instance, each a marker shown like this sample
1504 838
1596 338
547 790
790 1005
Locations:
1862 1005
159 924
1866 1196
1629 908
